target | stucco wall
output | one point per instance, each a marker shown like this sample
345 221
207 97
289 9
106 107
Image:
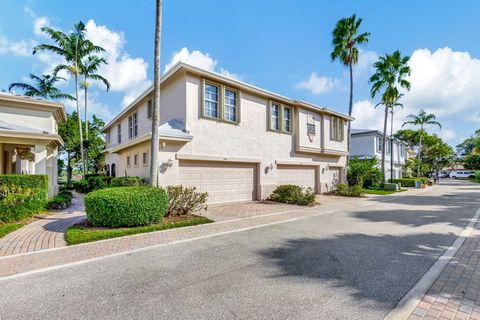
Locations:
248 139
36 119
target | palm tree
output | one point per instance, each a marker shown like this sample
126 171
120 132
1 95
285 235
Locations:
422 119
345 41
156 97
44 87
73 48
88 69
390 73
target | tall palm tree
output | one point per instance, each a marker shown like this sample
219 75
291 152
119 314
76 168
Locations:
345 41
421 120
88 69
156 97
390 75
44 87
73 47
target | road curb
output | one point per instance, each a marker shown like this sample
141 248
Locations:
410 300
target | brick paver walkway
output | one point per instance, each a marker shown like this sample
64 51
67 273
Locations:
14 264
455 294
45 233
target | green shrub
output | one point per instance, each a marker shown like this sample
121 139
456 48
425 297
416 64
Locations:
289 193
477 176
22 196
61 201
364 172
184 200
127 182
409 182
349 191
92 183
126 206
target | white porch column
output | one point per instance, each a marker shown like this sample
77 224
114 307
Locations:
40 159
18 163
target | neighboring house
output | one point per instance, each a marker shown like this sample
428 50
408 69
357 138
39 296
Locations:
228 138
28 137
368 144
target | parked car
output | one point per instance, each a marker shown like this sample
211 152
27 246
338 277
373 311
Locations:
462 174
444 174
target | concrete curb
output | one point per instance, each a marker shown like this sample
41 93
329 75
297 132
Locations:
410 300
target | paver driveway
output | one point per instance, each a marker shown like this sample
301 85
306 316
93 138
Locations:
354 264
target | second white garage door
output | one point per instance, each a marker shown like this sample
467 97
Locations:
225 182
303 176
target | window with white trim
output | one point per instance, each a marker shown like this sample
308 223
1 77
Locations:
230 113
275 116
135 160
379 144
119 133
132 126
212 96
336 129
287 119
128 161
107 137
144 158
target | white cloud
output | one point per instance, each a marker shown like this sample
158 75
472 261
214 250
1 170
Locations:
101 110
17 48
448 135
445 82
198 59
366 59
38 22
318 84
125 74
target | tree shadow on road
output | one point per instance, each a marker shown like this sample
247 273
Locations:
380 268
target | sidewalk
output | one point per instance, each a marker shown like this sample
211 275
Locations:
45 233
455 294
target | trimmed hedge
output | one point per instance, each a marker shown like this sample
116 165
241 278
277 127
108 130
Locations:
126 206
349 191
292 194
22 196
409 182
61 201
96 182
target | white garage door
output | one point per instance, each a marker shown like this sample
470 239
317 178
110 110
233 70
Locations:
224 182
297 175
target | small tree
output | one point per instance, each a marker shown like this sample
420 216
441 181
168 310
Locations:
364 172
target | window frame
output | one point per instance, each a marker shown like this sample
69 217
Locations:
130 126
119 133
108 136
337 129
145 158
129 163
281 118
135 160
221 105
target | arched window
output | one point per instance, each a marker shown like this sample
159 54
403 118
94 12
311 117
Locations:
113 173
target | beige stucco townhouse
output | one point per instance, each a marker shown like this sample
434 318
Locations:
29 137
231 139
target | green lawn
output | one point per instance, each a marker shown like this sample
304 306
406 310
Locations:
6 228
81 234
381 192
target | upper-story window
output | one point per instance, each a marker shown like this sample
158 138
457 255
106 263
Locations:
379 144
149 108
280 117
275 116
221 102
389 146
287 119
402 150
336 129
119 133
107 136
211 100
230 105
132 126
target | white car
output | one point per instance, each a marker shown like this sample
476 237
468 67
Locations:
461 174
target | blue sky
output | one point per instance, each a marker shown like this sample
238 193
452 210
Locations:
281 46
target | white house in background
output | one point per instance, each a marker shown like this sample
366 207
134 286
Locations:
29 137
368 144
233 140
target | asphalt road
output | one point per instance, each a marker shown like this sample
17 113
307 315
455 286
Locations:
348 265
